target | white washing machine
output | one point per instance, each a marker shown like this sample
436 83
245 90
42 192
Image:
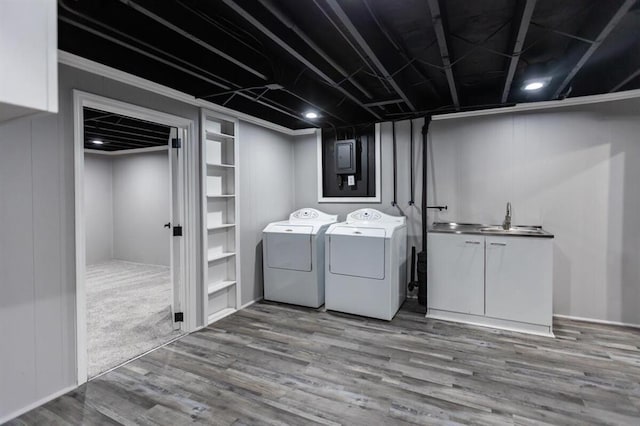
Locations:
366 263
293 258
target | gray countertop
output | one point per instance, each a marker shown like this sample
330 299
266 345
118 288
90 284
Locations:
479 229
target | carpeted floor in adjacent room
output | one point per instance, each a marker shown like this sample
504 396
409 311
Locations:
128 312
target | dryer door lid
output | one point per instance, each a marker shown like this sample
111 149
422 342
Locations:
289 248
290 229
359 232
357 254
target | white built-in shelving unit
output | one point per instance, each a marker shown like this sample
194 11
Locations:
220 202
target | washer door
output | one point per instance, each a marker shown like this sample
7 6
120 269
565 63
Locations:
358 252
289 247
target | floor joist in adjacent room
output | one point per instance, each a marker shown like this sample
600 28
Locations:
276 364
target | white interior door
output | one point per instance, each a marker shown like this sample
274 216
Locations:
176 233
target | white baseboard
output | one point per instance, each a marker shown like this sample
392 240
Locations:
36 404
246 305
596 321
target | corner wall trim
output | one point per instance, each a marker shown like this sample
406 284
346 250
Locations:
88 65
596 321
37 404
246 305
532 106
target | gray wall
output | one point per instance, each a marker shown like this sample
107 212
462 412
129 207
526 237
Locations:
266 195
141 207
98 207
306 192
37 250
574 171
36 262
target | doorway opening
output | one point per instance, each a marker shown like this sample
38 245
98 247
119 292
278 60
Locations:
132 262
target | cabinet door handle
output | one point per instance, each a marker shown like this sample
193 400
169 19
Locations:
498 244
472 242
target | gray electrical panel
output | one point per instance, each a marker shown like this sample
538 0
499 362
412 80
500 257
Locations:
346 157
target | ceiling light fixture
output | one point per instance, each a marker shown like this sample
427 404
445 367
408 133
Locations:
311 115
97 142
534 85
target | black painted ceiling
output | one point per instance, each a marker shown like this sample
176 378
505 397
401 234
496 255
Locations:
359 61
115 132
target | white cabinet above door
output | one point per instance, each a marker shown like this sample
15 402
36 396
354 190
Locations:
28 57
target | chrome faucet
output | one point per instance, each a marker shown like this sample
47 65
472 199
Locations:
506 224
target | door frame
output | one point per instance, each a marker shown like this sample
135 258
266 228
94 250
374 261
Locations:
188 292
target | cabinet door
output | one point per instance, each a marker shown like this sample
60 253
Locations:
455 273
519 279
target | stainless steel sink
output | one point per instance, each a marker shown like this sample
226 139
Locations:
527 230
478 229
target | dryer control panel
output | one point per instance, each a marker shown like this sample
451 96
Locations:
372 215
305 214
308 215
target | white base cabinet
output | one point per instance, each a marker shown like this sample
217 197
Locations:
518 277
502 282
459 268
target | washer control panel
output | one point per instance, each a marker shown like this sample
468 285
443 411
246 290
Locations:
366 215
305 214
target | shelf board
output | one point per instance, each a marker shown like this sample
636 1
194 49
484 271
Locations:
220 195
218 135
220 314
219 256
226 166
221 285
222 226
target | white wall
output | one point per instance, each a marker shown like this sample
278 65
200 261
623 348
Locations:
574 171
141 207
306 192
37 250
98 202
266 167
36 263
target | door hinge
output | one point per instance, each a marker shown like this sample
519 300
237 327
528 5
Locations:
176 143
177 231
178 317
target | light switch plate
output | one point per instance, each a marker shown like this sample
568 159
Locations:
351 180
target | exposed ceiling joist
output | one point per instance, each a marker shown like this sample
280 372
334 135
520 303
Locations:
438 27
333 4
193 38
175 66
626 80
304 37
610 25
290 50
520 35
388 102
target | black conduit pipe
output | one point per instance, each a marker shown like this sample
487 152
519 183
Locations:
425 132
422 256
395 166
411 202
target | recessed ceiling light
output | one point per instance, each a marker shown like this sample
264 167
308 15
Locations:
534 85
311 115
97 142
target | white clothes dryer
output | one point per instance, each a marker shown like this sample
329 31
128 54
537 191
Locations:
293 258
366 264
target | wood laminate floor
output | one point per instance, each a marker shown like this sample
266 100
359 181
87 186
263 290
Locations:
277 364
